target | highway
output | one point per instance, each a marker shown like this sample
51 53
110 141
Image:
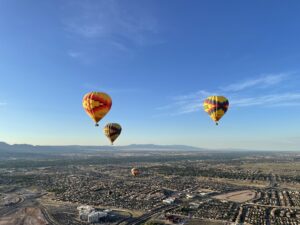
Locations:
29 201
148 215
49 219
6 210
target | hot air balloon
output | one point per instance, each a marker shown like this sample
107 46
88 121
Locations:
216 107
96 105
112 131
135 172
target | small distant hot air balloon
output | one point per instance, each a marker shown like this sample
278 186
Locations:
135 172
112 131
96 105
216 107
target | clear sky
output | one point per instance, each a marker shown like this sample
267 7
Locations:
158 60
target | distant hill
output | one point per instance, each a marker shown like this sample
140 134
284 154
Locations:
152 147
36 151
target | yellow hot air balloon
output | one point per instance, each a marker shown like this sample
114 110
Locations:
96 105
112 131
135 172
216 107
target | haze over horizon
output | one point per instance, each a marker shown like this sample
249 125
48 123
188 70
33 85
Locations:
158 61
142 147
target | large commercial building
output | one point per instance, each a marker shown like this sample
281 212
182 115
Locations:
94 217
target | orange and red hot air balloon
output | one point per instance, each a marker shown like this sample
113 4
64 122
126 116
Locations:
135 172
96 105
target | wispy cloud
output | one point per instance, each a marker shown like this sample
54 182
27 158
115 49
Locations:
3 103
74 54
198 94
111 22
192 102
276 100
261 82
186 103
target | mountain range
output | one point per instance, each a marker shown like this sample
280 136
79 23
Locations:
38 151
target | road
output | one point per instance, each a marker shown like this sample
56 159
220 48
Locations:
273 181
28 201
6 210
148 215
49 219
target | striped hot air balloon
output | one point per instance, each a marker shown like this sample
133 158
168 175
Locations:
96 105
112 131
216 107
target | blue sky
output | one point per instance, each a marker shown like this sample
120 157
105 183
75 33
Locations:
158 60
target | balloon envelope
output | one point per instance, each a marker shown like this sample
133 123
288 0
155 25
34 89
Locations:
216 107
96 105
135 171
112 131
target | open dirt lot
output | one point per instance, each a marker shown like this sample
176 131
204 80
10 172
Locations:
26 216
237 196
